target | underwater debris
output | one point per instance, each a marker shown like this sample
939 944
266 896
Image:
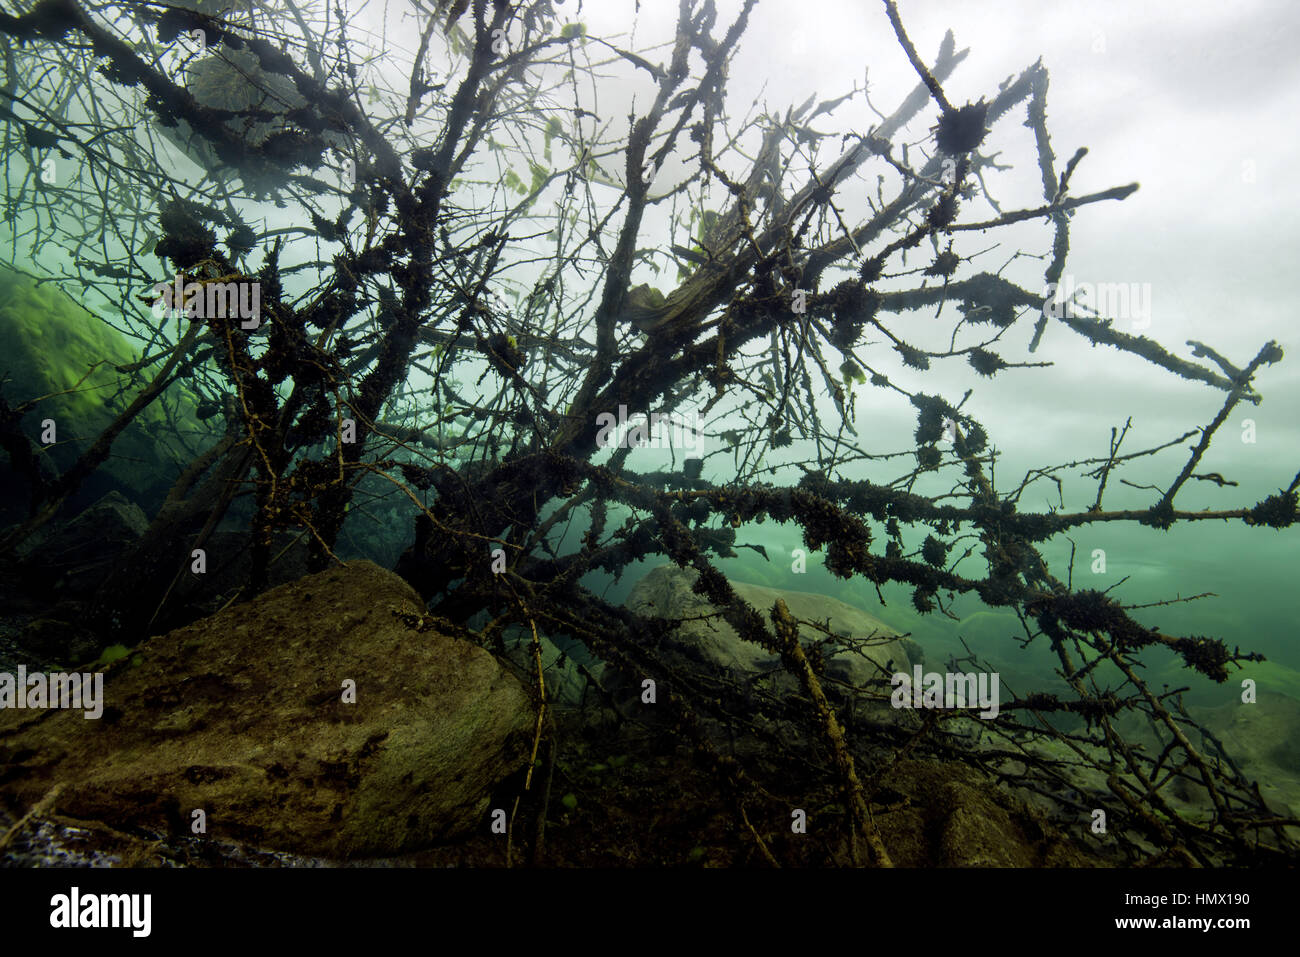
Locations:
961 131
340 428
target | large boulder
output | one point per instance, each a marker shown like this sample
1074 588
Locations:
44 595
243 715
259 104
79 554
947 814
1263 738
54 349
572 677
868 648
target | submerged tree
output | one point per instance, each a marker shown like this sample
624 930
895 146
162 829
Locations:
419 256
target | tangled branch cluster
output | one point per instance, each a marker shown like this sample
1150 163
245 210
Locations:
323 409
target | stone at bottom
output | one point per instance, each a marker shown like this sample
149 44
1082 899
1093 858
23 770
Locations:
242 715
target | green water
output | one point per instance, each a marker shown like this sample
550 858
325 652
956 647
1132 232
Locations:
1036 418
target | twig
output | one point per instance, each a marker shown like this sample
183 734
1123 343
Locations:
37 810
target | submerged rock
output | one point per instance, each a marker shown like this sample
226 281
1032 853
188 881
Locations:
243 716
79 554
946 814
58 351
1263 737
260 105
667 592
569 680
57 640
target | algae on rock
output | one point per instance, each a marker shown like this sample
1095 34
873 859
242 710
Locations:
58 352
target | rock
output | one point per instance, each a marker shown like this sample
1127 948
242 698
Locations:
113 519
56 349
78 555
102 529
667 592
915 653
567 683
259 104
50 639
227 566
1263 738
951 815
241 715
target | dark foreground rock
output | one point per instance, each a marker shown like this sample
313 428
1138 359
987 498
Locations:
611 807
45 594
242 715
